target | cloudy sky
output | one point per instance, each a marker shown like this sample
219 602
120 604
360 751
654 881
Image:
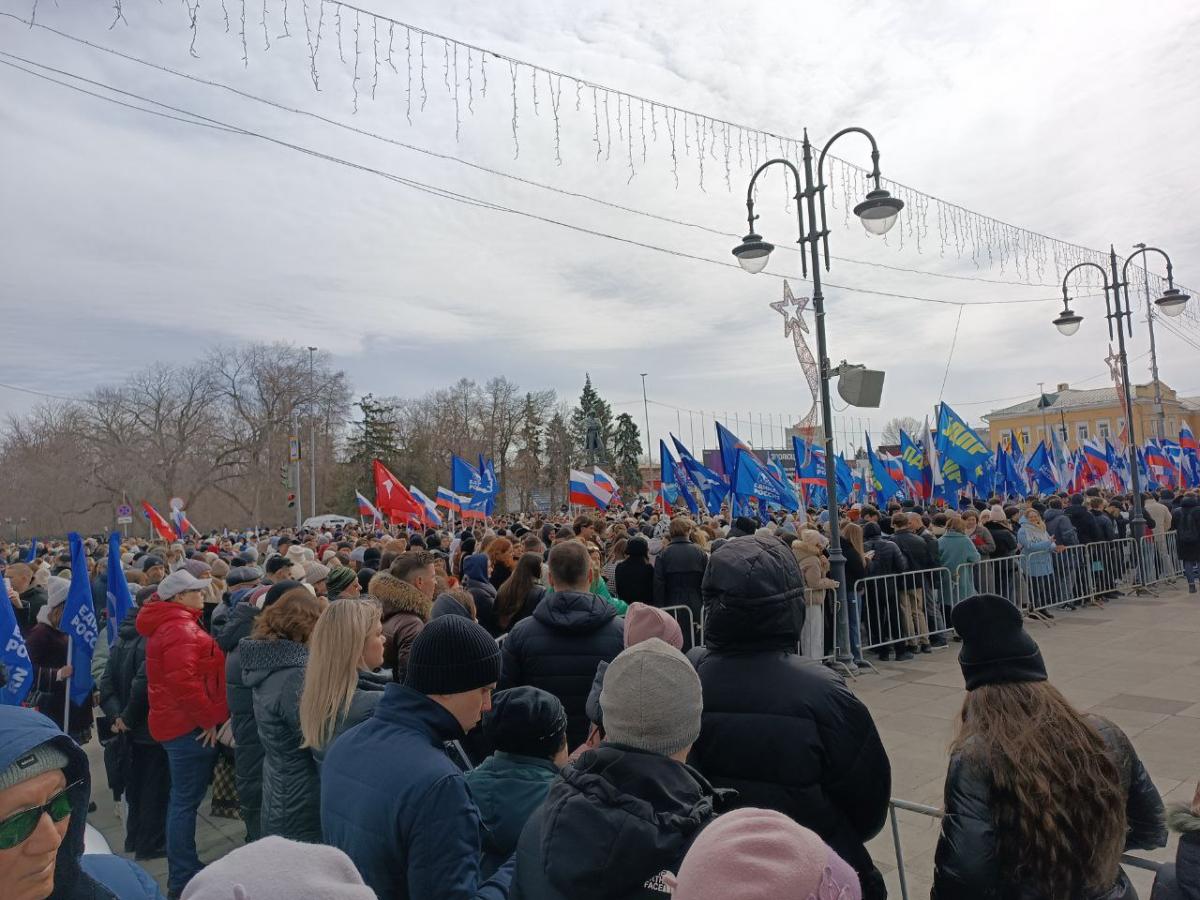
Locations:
129 238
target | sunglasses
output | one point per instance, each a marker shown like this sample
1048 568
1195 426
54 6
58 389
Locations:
19 826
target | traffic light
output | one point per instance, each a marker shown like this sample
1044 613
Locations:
291 501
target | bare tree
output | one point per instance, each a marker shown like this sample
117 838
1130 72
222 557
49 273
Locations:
907 424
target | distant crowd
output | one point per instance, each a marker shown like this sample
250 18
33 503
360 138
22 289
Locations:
600 706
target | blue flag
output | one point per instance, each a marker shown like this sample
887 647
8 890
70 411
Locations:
912 460
776 469
884 486
464 477
844 475
32 555
79 623
119 601
730 444
958 443
752 479
15 658
713 487
1041 465
674 479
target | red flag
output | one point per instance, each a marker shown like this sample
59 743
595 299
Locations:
160 524
393 499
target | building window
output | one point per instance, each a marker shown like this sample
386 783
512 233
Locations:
1062 434
1005 437
1102 428
1081 431
1041 433
1024 438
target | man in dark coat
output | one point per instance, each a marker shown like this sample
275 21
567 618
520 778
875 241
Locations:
678 571
558 648
412 829
881 599
148 777
625 813
783 730
1081 519
32 596
1185 522
912 587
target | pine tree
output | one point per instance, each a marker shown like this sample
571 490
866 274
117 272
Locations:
377 436
627 454
559 451
527 466
591 404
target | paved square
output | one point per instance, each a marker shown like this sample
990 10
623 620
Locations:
1136 662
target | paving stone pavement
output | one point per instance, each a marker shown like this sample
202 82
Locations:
1136 662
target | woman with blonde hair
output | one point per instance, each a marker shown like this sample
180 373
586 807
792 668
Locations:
340 687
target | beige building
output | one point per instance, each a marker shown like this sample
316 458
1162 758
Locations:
1093 413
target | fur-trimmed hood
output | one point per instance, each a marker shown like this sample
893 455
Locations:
1181 819
396 596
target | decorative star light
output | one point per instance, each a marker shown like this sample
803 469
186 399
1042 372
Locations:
795 327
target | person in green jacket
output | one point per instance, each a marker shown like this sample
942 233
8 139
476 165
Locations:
599 586
956 549
528 727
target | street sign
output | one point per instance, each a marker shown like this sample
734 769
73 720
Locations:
124 511
124 520
293 449
176 503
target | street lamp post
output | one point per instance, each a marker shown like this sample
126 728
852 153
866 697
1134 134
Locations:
878 214
312 435
646 407
1159 415
1171 304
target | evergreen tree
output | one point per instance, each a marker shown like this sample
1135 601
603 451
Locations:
377 436
627 453
591 404
560 449
526 468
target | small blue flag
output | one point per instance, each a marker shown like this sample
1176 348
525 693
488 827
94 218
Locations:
464 477
15 658
119 600
674 479
79 623
32 555
752 479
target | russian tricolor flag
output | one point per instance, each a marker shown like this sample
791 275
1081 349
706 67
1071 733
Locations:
432 517
366 509
1096 459
584 491
605 481
450 500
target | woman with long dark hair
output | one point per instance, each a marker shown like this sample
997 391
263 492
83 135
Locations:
1040 800
519 596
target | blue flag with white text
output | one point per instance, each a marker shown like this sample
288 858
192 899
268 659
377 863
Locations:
79 623
15 658
752 479
713 487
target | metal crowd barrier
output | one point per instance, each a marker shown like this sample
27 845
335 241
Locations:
691 637
912 608
1133 862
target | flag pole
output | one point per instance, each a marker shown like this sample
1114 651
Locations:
67 703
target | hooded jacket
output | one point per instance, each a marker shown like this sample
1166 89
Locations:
782 730
614 821
475 580
411 829
1060 528
185 671
1186 523
678 571
405 611
248 750
558 648
1180 880
1085 525
115 878
966 866
123 684
508 788
291 787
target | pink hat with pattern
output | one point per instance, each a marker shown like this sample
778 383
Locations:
760 854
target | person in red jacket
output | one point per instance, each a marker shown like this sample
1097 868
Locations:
185 684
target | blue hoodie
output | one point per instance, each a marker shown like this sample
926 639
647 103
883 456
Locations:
76 877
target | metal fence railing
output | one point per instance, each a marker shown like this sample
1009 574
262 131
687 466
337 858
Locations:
1133 862
911 610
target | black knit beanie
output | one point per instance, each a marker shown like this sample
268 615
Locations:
527 721
996 647
452 655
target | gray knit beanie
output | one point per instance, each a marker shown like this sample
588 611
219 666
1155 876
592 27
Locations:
42 758
652 699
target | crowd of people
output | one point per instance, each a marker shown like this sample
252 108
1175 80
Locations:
599 706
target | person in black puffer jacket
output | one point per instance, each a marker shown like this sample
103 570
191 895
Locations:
147 775
783 730
678 571
1040 800
1186 525
248 750
1081 519
558 648
273 662
621 817
881 597
477 569
634 575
